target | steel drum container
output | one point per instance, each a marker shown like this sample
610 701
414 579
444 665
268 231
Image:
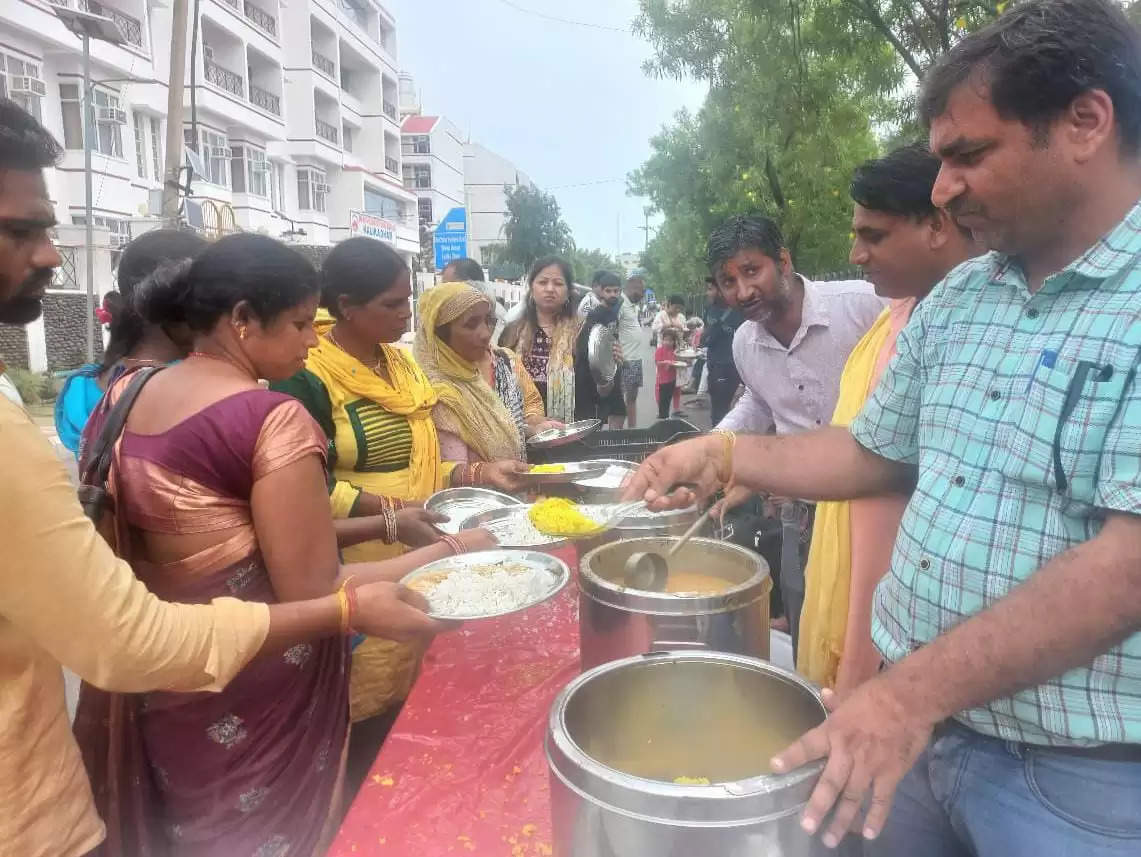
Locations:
617 622
619 735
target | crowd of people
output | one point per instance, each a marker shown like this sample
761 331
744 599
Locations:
954 443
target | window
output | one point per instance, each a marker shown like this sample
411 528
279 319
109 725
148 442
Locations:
409 176
156 147
248 170
311 189
423 176
215 154
119 228
376 202
108 129
425 207
257 172
141 144
277 187
237 169
416 144
72 116
109 119
20 81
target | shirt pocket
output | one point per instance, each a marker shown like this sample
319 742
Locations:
1045 442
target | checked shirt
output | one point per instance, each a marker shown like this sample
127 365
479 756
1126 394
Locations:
1023 416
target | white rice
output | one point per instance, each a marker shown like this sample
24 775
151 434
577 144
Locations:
491 588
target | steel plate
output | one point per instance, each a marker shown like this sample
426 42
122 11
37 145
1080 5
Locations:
543 563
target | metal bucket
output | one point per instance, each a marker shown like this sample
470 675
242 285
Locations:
616 622
619 735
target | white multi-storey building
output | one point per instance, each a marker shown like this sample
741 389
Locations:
487 178
291 110
433 153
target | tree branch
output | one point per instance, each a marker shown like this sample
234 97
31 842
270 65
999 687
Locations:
869 12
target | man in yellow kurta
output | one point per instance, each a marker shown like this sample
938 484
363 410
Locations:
64 596
905 246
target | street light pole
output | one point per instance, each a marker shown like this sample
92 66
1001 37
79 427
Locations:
88 26
89 241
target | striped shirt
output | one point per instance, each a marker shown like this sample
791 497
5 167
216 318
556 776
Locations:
1021 412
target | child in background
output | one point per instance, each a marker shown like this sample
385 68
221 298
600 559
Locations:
664 357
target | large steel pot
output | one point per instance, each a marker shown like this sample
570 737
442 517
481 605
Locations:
620 734
616 622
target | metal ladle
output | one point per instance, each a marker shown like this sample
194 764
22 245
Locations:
648 571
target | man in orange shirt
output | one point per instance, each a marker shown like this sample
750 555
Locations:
905 246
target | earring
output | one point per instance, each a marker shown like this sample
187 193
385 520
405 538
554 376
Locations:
242 332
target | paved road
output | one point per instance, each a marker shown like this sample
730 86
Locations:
695 408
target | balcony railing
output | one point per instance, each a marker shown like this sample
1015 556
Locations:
392 165
265 99
231 81
261 18
327 131
389 110
132 28
323 63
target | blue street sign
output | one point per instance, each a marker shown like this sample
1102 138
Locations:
451 238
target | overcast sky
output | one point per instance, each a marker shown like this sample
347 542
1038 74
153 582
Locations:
569 105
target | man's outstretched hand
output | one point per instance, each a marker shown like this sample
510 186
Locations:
694 463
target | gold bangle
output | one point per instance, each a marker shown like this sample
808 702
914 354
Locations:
728 445
345 605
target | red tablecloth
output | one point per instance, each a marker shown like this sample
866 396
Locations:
463 770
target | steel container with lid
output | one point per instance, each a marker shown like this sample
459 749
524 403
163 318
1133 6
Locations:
667 754
616 621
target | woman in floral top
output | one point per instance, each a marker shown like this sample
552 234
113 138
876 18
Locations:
545 337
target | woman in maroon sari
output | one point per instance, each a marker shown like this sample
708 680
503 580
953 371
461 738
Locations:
220 487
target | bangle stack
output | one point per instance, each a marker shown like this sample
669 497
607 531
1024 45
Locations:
455 544
347 600
388 509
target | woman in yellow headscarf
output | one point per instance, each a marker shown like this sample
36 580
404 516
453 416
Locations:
375 406
488 404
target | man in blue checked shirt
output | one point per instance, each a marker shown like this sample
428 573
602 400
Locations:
1008 720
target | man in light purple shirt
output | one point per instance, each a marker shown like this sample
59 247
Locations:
797 335
790 353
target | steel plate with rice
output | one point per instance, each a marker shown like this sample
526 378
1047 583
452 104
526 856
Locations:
459 504
562 436
512 528
487 584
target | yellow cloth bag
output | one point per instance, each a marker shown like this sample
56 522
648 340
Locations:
828 572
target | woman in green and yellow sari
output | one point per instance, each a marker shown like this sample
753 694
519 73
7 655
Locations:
375 406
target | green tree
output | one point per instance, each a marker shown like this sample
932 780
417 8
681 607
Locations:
586 262
534 227
800 93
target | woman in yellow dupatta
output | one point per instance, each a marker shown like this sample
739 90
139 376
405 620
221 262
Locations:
375 406
851 540
488 404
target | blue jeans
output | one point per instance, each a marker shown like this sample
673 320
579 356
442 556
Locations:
974 796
